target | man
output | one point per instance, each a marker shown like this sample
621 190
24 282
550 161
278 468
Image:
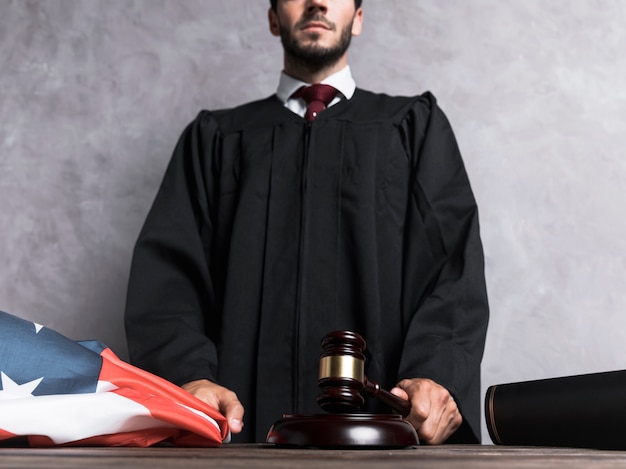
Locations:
270 230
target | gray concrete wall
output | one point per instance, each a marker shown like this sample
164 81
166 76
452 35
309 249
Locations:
94 94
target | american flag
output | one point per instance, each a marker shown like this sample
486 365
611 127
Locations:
54 391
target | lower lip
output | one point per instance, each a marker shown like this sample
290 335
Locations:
315 28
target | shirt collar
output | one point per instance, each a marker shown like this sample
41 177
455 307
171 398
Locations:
341 80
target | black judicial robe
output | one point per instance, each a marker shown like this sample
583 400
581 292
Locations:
269 232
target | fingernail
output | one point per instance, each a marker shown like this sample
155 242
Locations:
235 424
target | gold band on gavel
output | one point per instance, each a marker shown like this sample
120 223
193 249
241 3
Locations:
342 366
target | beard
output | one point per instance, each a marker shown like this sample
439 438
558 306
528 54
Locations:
315 55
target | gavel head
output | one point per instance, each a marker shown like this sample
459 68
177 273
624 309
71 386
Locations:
342 372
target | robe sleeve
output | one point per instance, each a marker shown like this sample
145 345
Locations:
445 335
169 325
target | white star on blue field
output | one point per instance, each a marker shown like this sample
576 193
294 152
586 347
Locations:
37 361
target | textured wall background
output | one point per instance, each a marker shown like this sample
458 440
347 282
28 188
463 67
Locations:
94 94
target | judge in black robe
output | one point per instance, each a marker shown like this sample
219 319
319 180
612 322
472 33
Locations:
268 232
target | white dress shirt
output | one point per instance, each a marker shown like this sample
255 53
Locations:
341 80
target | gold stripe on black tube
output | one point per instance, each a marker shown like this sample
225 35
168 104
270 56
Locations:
342 366
492 418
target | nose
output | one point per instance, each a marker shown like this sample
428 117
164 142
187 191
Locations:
321 5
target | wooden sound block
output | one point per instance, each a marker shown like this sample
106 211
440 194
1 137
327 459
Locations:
343 431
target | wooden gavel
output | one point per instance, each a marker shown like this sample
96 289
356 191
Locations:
342 376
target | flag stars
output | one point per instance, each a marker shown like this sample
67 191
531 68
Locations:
12 390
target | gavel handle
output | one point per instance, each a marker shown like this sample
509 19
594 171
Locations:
396 403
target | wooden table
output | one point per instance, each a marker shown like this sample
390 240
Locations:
264 456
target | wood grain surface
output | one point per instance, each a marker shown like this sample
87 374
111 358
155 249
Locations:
266 456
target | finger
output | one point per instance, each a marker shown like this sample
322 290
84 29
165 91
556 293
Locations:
427 407
235 424
401 393
432 429
233 410
442 423
220 398
417 392
420 411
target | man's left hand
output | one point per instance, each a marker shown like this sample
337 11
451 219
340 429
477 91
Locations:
434 414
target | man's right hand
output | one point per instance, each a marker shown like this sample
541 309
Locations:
222 399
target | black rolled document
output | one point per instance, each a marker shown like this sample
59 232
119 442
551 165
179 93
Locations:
584 411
